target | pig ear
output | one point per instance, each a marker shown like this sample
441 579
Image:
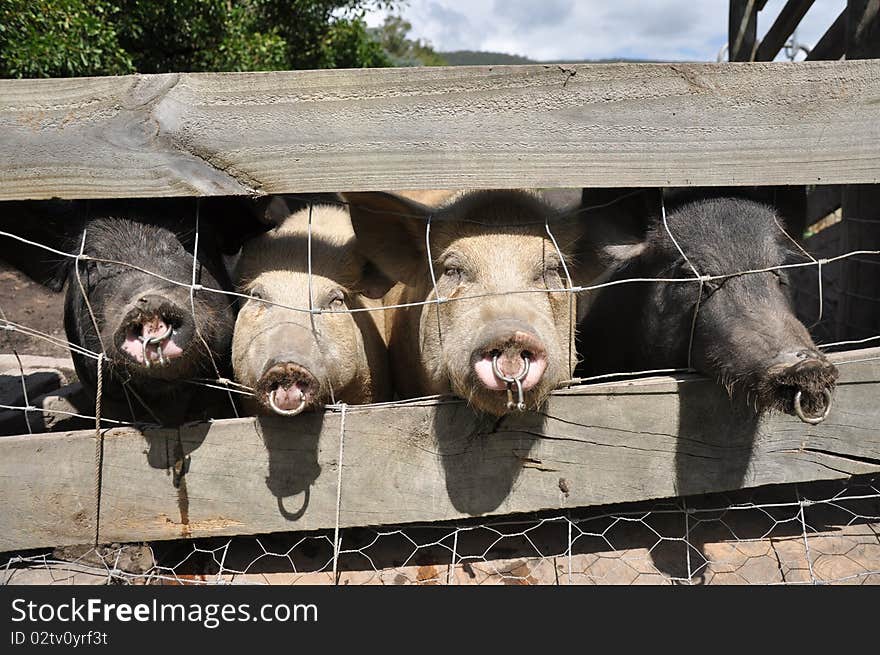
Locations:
390 233
271 210
615 224
374 283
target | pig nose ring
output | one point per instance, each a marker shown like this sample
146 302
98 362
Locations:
812 420
155 341
285 412
516 379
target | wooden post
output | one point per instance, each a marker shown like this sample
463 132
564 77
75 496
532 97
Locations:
859 310
833 43
863 29
742 29
783 27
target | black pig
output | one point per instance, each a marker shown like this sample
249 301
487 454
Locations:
154 342
745 336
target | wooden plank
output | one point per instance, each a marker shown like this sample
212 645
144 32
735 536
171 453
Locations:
832 45
429 461
863 29
783 27
47 487
622 125
859 309
742 30
821 201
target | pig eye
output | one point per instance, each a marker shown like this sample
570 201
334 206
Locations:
92 267
550 275
336 300
258 293
452 271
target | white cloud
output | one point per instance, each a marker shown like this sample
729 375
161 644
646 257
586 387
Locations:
592 29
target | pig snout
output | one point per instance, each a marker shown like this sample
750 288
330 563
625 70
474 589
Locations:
508 353
800 382
287 388
154 332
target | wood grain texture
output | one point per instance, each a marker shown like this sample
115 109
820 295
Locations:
602 125
428 461
47 490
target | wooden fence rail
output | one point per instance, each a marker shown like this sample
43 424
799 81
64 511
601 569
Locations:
502 126
427 461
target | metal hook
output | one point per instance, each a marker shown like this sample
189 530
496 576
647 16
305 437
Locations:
155 341
812 420
285 412
517 380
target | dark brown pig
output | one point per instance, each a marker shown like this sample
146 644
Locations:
156 339
745 335
291 360
499 338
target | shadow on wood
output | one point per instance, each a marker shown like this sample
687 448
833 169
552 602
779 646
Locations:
483 455
293 459
716 436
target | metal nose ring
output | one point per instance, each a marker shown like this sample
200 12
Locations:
515 380
285 412
145 341
812 420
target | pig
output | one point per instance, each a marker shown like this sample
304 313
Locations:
498 349
746 335
291 364
154 343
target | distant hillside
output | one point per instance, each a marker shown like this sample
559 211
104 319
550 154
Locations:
479 58
475 58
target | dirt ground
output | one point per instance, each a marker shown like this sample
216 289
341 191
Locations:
33 305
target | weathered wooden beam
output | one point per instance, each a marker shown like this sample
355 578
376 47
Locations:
863 29
742 29
427 461
783 27
832 45
858 310
821 201
621 125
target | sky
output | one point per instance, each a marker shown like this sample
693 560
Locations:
546 30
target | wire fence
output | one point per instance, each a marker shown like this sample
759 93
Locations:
816 533
435 298
720 542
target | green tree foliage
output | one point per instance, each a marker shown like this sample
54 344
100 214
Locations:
403 51
43 38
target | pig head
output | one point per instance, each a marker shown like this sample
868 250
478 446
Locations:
293 360
497 326
156 336
745 334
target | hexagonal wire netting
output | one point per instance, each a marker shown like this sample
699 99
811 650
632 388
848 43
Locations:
815 533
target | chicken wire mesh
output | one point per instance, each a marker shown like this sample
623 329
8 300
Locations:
729 539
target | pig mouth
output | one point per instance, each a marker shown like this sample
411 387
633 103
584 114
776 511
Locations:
287 389
151 341
803 390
